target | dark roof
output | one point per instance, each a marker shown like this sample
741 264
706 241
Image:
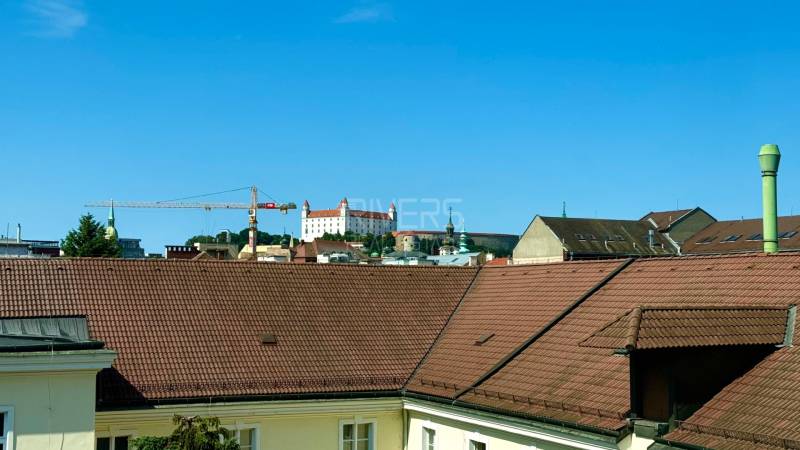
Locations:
509 304
586 237
651 327
714 239
192 328
664 219
30 334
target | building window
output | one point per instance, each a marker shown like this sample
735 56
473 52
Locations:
428 439
5 428
357 435
476 445
112 443
246 437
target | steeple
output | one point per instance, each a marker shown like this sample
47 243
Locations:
450 229
462 242
111 231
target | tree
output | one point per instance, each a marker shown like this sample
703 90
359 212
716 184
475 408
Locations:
191 433
90 240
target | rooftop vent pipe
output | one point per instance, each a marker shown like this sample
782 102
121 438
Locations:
769 158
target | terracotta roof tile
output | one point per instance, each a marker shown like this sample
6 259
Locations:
192 328
709 240
510 304
650 327
555 368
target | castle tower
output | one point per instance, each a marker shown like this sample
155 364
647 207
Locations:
392 212
343 207
306 209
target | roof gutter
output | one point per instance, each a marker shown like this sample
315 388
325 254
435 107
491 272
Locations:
53 346
537 418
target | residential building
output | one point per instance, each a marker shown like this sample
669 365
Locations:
322 251
679 225
198 250
268 253
25 248
551 239
131 248
737 236
674 352
314 224
407 258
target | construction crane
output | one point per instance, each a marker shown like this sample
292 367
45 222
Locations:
252 207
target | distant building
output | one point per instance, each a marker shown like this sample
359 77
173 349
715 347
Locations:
320 251
402 258
551 239
499 243
267 253
25 248
738 236
131 248
216 251
314 224
680 225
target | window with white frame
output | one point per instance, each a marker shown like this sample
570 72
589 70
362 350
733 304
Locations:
112 443
428 438
5 428
476 441
246 438
357 435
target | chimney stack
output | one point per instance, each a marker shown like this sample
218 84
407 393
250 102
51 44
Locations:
19 233
769 158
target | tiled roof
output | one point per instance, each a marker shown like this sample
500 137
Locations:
747 234
567 381
497 262
607 237
650 327
505 306
324 213
191 328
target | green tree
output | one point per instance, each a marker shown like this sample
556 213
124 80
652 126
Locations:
90 240
191 433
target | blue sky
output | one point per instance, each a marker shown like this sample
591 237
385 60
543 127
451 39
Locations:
616 107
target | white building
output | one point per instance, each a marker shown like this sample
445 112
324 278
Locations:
314 224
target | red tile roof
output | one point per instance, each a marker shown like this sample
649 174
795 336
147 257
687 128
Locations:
650 327
192 328
510 304
568 382
350 213
709 240
497 262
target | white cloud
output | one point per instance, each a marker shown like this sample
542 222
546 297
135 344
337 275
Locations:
56 18
366 13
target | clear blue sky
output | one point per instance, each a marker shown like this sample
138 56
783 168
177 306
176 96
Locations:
618 107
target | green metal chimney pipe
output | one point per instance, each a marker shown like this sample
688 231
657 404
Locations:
769 158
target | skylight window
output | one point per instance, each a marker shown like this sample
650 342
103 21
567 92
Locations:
754 237
732 238
580 237
787 234
591 237
482 339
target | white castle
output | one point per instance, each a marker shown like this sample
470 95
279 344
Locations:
314 224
